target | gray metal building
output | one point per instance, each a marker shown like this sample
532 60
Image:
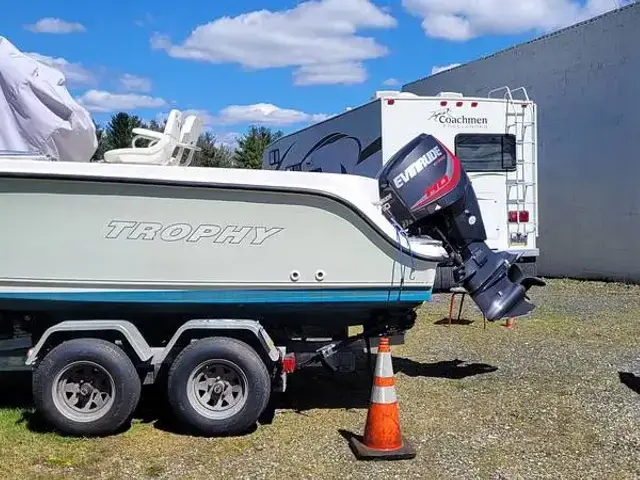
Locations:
586 82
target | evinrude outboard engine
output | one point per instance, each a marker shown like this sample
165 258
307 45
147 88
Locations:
425 190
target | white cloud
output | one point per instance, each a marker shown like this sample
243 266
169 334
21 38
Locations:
265 114
461 20
318 37
207 118
258 113
228 139
391 82
55 25
135 83
101 101
75 73
439 68
345 73
143 22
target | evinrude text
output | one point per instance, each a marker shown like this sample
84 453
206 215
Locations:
416 167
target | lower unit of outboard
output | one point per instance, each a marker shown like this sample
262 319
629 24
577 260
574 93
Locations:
425 191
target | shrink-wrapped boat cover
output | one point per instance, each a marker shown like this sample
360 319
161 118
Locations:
37 113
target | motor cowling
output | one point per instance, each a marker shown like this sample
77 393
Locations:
425 190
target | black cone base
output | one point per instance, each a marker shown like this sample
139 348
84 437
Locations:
362 452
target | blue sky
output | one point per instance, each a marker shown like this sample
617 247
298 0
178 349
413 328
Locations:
282 63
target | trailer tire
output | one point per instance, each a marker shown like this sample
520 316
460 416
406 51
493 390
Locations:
212 372
59 383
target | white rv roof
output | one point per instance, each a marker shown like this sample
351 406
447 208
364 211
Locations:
392 93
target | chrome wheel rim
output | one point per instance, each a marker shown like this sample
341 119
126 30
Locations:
83 391
217 389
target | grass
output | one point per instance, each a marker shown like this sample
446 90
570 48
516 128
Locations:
555 397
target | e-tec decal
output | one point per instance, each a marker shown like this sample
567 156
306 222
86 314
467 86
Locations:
436 187
185 232
416 167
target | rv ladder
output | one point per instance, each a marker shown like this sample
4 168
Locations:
521 196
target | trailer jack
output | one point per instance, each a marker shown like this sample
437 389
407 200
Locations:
380 329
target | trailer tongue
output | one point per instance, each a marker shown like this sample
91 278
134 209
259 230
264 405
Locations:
447 209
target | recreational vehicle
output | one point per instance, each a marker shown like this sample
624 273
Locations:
495 138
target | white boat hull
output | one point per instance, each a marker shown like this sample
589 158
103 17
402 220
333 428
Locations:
104 234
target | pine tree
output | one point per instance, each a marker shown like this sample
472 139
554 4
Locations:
212 155
251 146
119 132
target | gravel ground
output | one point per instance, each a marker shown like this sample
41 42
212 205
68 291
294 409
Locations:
555 397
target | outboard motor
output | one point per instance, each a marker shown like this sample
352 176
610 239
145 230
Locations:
425 190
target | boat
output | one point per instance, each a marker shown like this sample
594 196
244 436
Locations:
84 235
100 235
142 232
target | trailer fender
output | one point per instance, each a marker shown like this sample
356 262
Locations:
226 327
156 356
129 331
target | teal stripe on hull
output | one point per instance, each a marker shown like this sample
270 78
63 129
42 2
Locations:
230 296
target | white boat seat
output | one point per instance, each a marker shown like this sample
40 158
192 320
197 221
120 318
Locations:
158 152
189 134
172 127
146 134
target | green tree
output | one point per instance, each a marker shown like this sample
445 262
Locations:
251 146
212 155
158 127
119 130
102 143
118 133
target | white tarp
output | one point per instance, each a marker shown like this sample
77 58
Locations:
37 112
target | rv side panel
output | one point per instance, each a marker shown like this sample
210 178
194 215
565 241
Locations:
584 80
350 142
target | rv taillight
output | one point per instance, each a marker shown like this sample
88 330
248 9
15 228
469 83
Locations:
443 103
289 363
523 217
474 104
458 104
391 101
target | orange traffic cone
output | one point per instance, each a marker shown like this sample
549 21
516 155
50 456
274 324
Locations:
382 437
